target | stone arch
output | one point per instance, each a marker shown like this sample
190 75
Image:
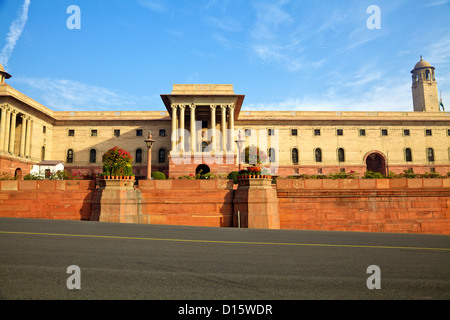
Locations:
202 169
376 161
18 174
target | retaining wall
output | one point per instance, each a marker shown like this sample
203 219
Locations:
379 205
62 200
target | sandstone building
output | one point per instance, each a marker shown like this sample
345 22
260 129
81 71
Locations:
296 142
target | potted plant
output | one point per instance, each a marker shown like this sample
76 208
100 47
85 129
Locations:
255 157
117 163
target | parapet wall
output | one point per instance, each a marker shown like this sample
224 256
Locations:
379 205
206 203
60 200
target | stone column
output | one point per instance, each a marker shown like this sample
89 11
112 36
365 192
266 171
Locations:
6 130
23 136
213 127
2 127
174 135
231 133
12 132
182 113
28 139
256 205
224 128
193 130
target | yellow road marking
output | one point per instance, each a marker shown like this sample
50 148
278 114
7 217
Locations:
223 241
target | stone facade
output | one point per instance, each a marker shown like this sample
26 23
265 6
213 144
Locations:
202 122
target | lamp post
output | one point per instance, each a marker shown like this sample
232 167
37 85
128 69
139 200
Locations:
149 142
240 144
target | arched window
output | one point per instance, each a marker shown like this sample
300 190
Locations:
408 155
162 155
294 155
69 156
138 157
427 75
92 156
341 155
43 153
430 154
318 155
271 154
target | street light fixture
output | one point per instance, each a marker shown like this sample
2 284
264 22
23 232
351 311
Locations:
149 142
240 144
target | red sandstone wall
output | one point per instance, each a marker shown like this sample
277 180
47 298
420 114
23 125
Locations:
397 205
9 165
206 203
62 200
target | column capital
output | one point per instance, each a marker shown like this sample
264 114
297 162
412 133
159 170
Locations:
193 106
213 106
4 106
231 106
182 106
174 106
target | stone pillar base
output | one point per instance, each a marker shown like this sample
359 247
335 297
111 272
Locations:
116 201
257 203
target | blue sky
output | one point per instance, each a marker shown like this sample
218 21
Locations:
289 55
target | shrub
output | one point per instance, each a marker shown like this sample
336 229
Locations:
233 176
431 175
7 176
254 155
158 176
373 175
117 162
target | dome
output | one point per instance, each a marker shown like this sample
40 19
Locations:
3 73
422 64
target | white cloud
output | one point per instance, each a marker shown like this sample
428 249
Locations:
15 31
153 6
437 3
68 95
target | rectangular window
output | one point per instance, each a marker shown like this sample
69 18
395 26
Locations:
294 132
384 132
448 132
362 132
340 132
317 132
94 133
248 132
139 133
428 132
271 132
406 132
71 133
116 133
162 132
44 129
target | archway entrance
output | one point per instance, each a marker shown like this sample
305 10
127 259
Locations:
18 174
202 169
376 162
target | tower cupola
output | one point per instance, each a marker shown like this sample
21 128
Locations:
424 87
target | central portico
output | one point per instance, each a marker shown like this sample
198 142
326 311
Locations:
203 118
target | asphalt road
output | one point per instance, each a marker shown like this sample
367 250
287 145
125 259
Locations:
190 263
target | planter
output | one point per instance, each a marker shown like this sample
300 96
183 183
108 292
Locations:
247 177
